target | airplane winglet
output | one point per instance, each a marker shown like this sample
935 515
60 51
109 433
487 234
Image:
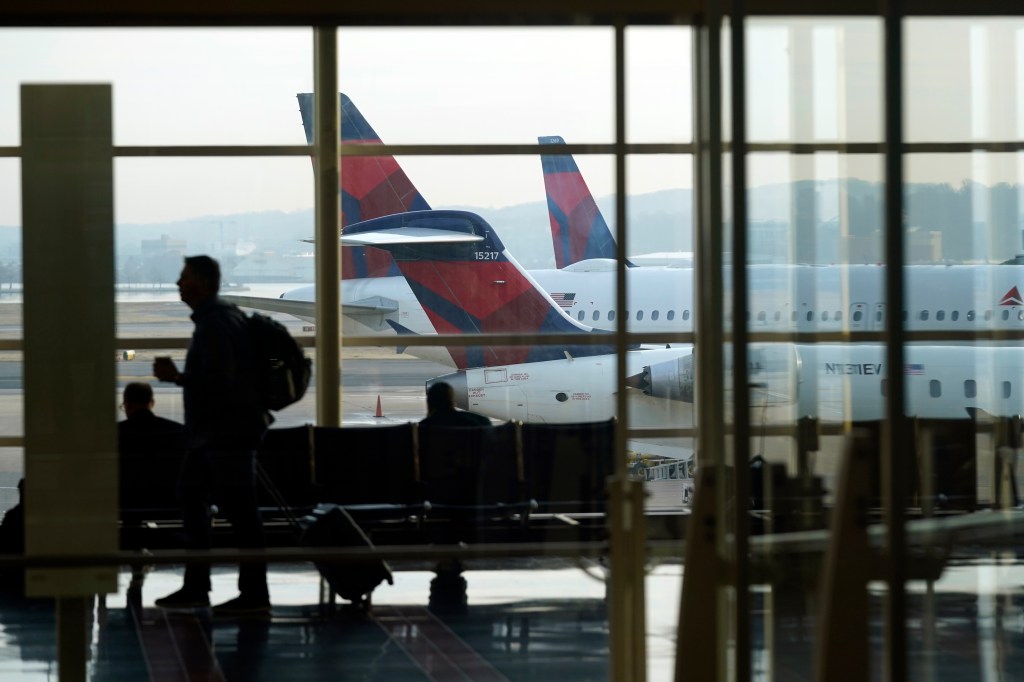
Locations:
401 331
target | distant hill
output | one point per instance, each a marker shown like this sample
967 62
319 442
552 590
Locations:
806 221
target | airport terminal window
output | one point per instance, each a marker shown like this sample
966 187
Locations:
970 388
797 77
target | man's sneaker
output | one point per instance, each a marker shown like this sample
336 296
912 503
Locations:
243 606
184 599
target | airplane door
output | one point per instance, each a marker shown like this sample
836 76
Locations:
858 316
878 318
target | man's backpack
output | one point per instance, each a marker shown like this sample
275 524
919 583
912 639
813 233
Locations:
283 370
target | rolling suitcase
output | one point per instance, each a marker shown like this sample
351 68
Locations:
331 526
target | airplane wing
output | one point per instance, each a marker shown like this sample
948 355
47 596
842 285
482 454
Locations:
306 310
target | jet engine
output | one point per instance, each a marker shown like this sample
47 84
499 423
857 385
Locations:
773 369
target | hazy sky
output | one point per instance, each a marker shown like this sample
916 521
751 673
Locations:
809 80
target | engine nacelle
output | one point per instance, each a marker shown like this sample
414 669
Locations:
671 379
774 371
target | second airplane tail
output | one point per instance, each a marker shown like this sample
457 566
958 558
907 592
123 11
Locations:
578 230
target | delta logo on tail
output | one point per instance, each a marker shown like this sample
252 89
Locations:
578 229
467 283
371 187
1012 297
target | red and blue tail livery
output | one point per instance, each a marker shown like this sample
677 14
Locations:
468 283
371 186
578 230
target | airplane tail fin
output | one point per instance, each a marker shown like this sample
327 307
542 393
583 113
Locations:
578 230
371 186
468 283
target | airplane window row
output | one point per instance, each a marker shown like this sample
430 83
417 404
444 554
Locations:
824 315
970 388
655 315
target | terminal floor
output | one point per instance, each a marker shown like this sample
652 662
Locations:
520 625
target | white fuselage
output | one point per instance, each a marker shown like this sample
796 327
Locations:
782 297
832 382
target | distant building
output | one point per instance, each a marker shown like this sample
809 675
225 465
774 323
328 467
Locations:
163 246
274 267
922 246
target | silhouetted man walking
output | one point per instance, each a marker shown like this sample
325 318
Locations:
224 423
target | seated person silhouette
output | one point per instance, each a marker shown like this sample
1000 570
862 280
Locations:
12 541
151 449
441 410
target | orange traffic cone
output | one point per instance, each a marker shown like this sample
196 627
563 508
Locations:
380 412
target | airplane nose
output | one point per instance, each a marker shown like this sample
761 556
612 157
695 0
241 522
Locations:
457 380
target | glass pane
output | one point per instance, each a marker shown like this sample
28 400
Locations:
960 79
171 86
216 204
811 80
482 85
658 84
946 192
